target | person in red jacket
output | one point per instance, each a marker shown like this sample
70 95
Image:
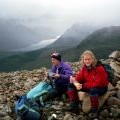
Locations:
92 78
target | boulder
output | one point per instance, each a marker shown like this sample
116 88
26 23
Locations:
113 101
115 55
115 62
68 117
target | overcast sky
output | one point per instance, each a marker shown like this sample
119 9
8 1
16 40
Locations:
62 13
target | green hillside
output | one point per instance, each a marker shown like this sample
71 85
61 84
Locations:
102 42
73 36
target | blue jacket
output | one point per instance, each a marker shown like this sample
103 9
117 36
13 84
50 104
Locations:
65 72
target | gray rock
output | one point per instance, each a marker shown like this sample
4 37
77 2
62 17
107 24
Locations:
6 118
2 114
115 112
113 101
115 55
118 94
104 113
68 117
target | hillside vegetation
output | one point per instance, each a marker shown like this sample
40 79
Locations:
102 42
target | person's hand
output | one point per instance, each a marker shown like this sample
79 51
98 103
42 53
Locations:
56 75
72 79
78 86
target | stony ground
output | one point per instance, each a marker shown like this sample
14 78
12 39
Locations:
20 82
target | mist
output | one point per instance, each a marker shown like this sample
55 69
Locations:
50 18
52 12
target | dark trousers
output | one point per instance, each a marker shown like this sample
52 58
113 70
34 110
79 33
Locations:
55 92
69 89
98 91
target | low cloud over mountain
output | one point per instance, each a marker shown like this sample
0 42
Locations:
102 42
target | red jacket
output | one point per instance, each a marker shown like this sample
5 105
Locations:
96 77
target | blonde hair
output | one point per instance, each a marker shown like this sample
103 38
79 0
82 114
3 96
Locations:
90 53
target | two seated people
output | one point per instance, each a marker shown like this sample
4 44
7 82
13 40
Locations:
91 81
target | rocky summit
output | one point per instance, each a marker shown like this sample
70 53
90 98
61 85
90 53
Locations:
20 82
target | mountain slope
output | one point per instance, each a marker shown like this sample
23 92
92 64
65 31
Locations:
14 35
102 42
73 36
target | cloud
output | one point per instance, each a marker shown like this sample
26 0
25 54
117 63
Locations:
50 18
59 7
38 45
61 14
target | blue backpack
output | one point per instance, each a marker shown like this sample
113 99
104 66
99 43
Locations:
39 91
27 107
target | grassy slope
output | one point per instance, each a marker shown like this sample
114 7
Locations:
101 42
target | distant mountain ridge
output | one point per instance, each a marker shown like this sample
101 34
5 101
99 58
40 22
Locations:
13 35
16 34
73 36
102 42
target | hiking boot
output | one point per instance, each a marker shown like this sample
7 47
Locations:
94 114
73 107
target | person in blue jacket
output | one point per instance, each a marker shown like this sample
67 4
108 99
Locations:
61 73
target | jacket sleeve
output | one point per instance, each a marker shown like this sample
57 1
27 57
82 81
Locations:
67 73
79 76
99 79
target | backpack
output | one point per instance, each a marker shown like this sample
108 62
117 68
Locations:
27 109
30 106
109 71
39 91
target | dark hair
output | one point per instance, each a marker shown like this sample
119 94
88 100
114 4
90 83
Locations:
56 56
